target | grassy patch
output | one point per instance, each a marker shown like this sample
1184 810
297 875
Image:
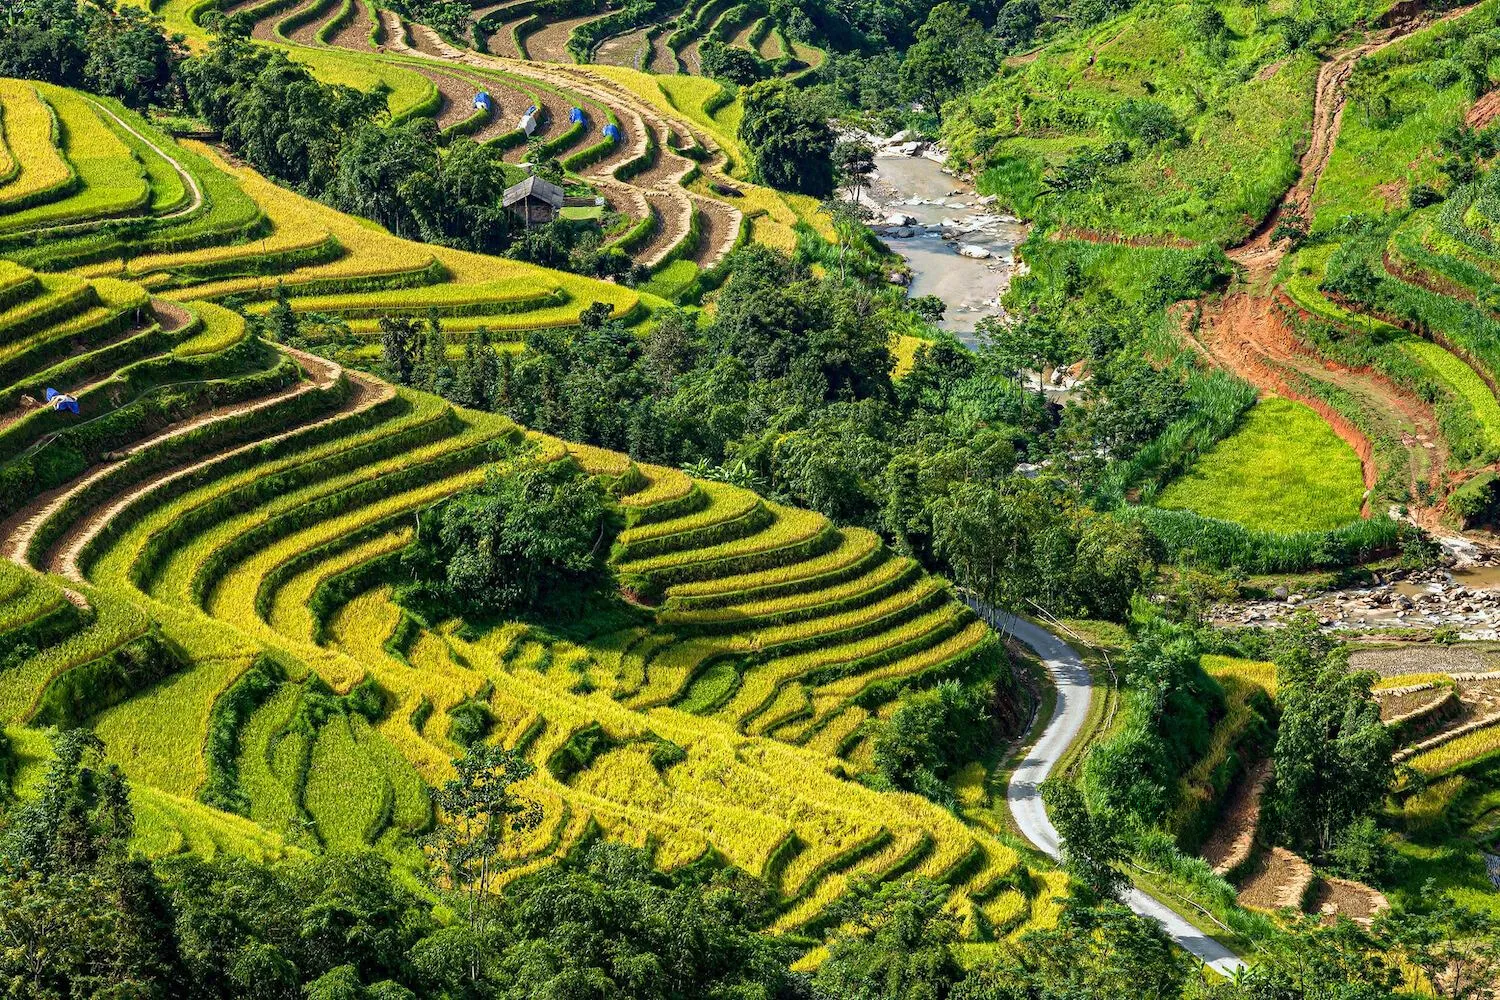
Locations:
1283 470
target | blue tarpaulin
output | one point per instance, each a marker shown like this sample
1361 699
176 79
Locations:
576 116
528 120
62 401
482 102
612 132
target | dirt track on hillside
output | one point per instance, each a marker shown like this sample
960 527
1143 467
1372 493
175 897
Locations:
1247 331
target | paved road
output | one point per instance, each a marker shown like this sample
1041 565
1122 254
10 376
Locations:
1074 689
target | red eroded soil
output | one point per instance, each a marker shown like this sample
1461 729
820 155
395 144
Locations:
1484 111
1246 334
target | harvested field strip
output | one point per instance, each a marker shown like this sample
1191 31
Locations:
356 34
674 213
631 50
742 34
718 229
661 59
550 43
1280 882
502 40
770 46
668 169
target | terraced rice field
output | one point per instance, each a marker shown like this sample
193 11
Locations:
638 176
227 543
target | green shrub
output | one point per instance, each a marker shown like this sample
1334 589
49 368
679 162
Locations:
1474 502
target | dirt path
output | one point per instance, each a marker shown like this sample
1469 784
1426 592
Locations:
1257 254
195 193
1247 332
1244 333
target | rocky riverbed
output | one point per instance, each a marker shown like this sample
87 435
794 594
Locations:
955 245
1425 601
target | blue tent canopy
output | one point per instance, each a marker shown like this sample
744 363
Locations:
62 401
576 116
482 102
612 132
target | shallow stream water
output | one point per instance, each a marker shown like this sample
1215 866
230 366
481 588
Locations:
917 187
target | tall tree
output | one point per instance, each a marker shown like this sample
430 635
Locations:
1092 845
788 137
953 53
1333 754
481 813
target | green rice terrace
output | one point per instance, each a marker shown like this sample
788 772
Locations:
743 499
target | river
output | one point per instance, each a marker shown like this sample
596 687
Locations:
917 187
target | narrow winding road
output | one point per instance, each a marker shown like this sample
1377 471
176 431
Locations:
1074 689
